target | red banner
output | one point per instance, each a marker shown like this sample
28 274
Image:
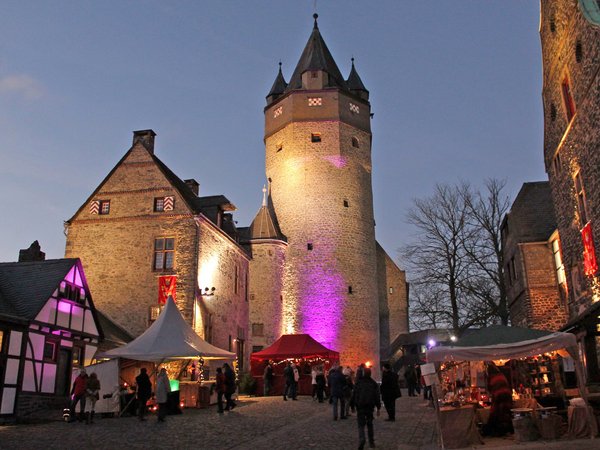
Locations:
590 265
167 287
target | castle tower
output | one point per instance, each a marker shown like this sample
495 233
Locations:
318 162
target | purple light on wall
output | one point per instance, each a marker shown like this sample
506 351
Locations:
338 161
64 307
321 306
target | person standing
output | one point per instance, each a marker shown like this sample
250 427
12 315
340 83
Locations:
313 381
144 392
78 395
92 394
320 378
268 378
365 398
288 374
229 386
220 388
296 379
348 387
163 387
390 391
337 382
410 375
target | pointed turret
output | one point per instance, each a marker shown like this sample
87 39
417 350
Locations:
355 84
278 87
316 68
264 225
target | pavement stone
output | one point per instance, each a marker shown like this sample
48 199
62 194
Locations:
257 423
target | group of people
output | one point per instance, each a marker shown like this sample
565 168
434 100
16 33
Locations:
225 386
85 391
144 393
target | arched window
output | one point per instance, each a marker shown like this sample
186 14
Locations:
355 143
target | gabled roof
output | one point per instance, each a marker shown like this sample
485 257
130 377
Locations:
279 84
316 56
113 332
25 287
354 82
531 217
195 204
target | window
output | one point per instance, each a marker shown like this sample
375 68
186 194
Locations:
208 328
355 143
164 252
279 147
230 343
349 289
391 290
346 204
552 23
236 280
50 350
309 246
104 207
314 74
578 52
581 200
77 361
552 112
258 329
71 292
154 312
558 264
315 137
159 204
557 163
568 98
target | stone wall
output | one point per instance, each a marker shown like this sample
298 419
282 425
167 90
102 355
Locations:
266 287
572 147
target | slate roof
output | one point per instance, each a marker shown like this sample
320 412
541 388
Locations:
112 331
316 56
265 225
354 82
279 84
25 287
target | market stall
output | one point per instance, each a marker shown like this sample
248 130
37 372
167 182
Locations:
170 341
303 350
460 373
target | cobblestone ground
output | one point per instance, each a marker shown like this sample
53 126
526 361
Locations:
257 423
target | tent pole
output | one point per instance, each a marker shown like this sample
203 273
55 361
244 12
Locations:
583 391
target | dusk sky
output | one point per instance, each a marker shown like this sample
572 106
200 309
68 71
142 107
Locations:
455 88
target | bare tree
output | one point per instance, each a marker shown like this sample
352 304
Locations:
456 259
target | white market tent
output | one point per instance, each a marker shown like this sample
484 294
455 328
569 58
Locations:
168 338
503 342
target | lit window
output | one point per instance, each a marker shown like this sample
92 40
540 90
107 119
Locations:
159 204
315 137
581 200
560 268
164 253
104 207
391 290
355 143
568 99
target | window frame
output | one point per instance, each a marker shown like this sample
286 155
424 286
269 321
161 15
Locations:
164 251
566 90
101 205
156 204
315 138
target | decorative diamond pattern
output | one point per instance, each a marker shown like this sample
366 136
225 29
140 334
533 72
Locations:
315 101
277 112
354 108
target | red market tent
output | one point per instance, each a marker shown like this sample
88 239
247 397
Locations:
295 346
303 350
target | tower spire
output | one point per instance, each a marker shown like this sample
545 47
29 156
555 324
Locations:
315 16
355 84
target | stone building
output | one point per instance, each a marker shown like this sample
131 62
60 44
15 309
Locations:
316 266
534 273
144 234
570 38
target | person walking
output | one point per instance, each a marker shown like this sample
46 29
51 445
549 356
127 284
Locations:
365 398
390 391
410 374
78 395
92 394
229 387
337 382
163 387
348 387
267 379
220 388
143 391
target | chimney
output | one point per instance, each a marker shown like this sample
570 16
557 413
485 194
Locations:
146 137
33 253
193 185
